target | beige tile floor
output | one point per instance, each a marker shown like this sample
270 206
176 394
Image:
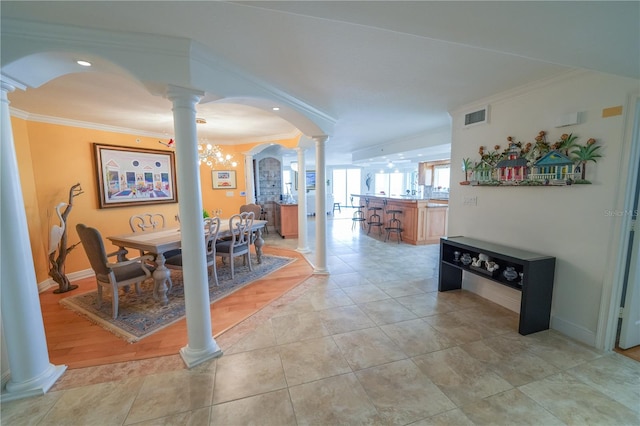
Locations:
372 343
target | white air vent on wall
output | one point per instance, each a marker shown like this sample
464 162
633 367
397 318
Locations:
477 117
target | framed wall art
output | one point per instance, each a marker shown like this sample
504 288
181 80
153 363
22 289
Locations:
134 176
310 179
224 179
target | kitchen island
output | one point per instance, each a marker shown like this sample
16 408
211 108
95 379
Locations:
423 221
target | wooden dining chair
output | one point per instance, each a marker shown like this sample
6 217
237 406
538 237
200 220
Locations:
211 229
150 222
256 209
241 239
112 275
146 221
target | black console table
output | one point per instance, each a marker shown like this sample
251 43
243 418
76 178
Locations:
535 276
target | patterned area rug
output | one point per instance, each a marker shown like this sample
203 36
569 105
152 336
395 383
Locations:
140 315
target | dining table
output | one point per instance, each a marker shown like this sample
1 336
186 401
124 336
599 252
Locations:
161 241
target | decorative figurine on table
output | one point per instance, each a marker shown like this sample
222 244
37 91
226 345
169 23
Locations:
492 266
510 273
466 259
456 256
476 262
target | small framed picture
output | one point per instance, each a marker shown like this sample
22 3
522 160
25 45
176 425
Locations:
224 179
311 179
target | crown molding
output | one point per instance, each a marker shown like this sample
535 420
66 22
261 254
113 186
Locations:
14 112
18 113
76 36
81 124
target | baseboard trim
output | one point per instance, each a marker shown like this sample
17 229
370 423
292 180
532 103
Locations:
510 299
573 331
5 378
73 276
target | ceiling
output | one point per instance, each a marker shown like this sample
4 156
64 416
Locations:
387 72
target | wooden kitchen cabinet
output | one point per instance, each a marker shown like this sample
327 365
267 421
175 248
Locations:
425 174
286 220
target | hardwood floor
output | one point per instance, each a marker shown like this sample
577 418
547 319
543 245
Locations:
633 353
77 343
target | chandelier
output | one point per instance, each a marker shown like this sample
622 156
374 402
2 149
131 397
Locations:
212 156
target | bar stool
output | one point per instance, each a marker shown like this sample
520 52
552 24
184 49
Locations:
264 216
394 225
374 218
336 206
358 216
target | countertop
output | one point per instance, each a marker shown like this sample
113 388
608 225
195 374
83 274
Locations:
431 202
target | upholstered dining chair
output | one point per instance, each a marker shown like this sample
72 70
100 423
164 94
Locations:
241 239
108 274
211 229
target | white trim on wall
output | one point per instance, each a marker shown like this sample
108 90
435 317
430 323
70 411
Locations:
73 276
612 294
575 331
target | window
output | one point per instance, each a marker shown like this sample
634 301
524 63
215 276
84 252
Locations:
345 183
381 184
394 184
442 176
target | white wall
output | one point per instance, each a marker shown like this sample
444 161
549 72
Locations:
570 222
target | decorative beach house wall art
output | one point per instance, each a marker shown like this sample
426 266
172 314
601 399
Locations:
134 176
538 163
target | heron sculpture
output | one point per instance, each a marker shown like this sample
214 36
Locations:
58 249
56 233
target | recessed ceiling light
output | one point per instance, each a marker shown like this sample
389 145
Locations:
83 63
276 108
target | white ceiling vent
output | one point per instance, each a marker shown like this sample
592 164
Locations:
477 117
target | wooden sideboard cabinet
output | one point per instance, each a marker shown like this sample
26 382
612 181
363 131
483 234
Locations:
286 220
534 280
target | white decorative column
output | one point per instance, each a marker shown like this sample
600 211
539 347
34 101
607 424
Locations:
321 207
250 195
31 372
201 345
302 203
